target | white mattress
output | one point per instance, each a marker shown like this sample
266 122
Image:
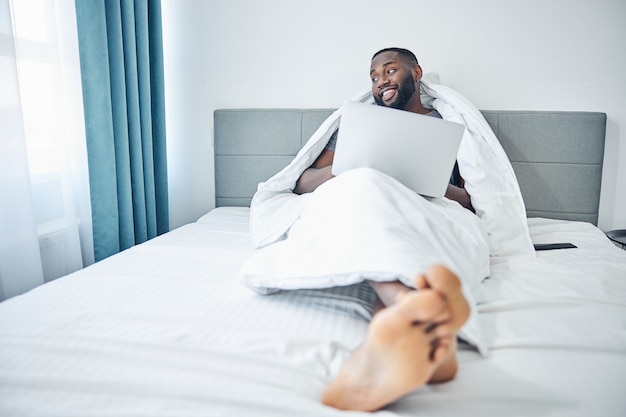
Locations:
166 329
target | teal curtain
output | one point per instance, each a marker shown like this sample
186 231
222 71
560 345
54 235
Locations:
121 59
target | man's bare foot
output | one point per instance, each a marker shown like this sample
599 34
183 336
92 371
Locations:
447 284
409 344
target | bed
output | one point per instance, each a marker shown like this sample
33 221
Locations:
167 329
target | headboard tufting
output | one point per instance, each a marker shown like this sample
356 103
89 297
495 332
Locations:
557 156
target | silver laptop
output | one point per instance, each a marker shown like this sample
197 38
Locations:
417 150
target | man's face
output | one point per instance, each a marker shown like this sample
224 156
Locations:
393 84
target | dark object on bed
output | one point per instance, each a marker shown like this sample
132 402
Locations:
618 237
552 246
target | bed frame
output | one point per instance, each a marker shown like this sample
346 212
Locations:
557 156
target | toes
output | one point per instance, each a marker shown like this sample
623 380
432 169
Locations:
424 306
442 279
420 282
439 350
439 278
443 330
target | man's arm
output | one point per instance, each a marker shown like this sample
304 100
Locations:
317 174
460 195
320 172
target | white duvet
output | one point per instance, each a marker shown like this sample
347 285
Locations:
483 164
364 225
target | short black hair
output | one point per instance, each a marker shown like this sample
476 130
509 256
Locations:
405 53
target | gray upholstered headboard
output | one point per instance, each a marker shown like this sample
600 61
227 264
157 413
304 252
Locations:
557 156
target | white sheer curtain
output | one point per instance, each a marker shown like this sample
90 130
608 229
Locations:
45 212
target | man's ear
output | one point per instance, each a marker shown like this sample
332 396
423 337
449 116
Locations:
417 73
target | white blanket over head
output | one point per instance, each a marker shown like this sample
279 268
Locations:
483 164
364 225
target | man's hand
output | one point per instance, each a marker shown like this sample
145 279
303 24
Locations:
312 178
317 174
459 195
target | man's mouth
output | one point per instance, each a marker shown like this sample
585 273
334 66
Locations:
388 94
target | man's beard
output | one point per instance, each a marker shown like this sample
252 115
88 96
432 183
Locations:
405 91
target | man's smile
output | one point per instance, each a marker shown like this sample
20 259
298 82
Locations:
388 94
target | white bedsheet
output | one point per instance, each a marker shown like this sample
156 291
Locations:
166 329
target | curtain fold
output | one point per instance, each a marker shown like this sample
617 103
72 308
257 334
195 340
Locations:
45 215
122 75
20 266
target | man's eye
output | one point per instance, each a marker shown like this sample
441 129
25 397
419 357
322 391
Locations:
375 79
391 71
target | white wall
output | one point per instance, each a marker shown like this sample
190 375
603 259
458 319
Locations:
502 55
